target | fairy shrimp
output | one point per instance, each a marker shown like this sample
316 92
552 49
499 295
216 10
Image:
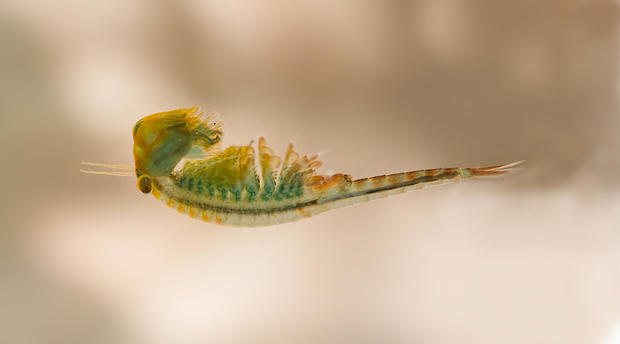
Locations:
236 186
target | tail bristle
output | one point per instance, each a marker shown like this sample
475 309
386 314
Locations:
496 170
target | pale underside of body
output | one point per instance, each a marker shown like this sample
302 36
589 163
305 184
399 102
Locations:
232 188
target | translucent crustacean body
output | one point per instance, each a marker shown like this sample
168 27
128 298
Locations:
235 186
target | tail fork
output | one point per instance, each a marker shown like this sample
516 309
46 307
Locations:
496 170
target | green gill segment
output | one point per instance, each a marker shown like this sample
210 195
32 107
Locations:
231 175
228 176
269 164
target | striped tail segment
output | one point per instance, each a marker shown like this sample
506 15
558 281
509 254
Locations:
367 189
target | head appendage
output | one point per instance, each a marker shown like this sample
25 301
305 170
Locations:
206 129
163 139
126 170
114 166
109 173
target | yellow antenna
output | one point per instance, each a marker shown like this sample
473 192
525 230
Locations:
128 169
114 166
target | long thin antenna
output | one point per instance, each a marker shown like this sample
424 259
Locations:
109 173
113 166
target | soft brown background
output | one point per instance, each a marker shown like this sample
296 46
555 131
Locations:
379 87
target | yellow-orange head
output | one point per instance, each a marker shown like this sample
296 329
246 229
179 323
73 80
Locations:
161 140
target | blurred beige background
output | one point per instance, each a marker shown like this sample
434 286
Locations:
381 87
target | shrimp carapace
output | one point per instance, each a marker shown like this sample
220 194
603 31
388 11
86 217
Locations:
237 186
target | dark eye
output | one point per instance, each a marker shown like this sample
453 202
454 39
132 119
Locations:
144 184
